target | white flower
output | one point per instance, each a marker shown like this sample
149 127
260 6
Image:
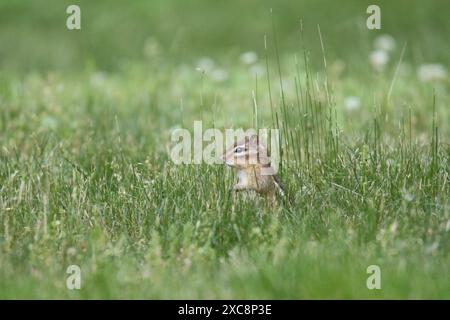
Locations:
352 103
408 197
257 69
431 72
249 57
98 78
384 42
379 59
205 64
393 227
432 248
71 251
219 75
49 122
151 47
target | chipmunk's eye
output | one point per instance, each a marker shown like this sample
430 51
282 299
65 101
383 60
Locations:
239 150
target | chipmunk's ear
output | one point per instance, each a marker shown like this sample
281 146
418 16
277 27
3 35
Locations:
253 139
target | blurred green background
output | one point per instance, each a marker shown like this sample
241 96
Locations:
33 35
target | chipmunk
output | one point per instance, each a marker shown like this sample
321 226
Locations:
249 157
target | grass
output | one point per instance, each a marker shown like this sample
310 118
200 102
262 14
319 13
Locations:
85 176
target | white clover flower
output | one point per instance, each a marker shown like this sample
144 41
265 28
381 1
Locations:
431 72
146 274
152 47
49 122
352 103
219 75
205 64
379 59
71 251
384 42
249 57
408 197
98 78
432 248
257 69
393 227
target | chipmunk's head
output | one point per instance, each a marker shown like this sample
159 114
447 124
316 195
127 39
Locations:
246 153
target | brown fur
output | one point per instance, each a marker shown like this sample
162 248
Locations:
249 157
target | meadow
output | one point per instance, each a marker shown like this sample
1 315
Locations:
86 179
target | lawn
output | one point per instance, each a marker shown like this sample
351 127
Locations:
86 177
